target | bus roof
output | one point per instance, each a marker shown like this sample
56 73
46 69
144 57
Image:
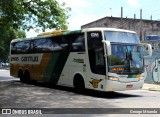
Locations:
107 29
65 32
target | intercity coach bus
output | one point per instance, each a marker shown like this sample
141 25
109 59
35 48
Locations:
103 59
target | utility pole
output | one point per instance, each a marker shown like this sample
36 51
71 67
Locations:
151 17
121 12
121 17
111 18
141 24
134 16
111 11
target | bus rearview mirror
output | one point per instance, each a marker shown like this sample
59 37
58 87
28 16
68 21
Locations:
107 46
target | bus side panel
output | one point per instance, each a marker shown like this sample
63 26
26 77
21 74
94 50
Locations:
50 66
36 67
77 65
14 70
55 66
37 71
96 81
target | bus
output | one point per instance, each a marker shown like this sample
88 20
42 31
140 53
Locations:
102 59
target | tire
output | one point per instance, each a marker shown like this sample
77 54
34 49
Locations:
27 77
21 76
79 84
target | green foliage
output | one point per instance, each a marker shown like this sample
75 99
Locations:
6 38
42 13
16 15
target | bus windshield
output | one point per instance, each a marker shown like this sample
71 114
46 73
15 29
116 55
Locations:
126 59
122 37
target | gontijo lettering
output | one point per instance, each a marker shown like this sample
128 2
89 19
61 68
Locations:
29 58
26 59
14 58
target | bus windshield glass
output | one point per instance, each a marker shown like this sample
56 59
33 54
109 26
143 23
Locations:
127 56
126 59
122 37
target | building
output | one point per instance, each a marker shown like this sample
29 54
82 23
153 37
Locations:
141 26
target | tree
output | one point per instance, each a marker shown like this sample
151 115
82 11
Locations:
40 13
18 15
8 35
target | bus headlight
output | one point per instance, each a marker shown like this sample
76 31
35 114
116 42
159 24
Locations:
113 78
141 77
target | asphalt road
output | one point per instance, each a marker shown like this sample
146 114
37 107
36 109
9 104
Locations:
14 94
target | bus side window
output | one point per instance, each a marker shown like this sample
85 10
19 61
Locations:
13 48
59 44
37 44
19 47
49 45
63 42
26 47
77 42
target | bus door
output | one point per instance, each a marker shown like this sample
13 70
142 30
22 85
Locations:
96 70
77 61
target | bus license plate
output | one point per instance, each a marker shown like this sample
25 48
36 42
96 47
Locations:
129 86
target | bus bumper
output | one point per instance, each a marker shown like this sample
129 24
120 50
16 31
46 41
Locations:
121 86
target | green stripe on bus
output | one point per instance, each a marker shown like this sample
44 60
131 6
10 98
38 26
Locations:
50 67
134 76
56 65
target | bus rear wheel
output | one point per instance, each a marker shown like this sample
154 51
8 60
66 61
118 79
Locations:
27 77
79 84
21 76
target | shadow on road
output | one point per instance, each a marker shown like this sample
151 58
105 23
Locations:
109 95
87 92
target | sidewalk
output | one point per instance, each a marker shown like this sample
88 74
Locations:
151 87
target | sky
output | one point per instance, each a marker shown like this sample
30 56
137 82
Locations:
86 11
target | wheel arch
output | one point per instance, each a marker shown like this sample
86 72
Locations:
27 71
20 72
79 76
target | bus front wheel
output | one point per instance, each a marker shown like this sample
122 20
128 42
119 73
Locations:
79 83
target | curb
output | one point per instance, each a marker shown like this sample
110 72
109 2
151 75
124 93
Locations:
154 89
151 87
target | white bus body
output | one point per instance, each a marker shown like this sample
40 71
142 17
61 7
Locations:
103 59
